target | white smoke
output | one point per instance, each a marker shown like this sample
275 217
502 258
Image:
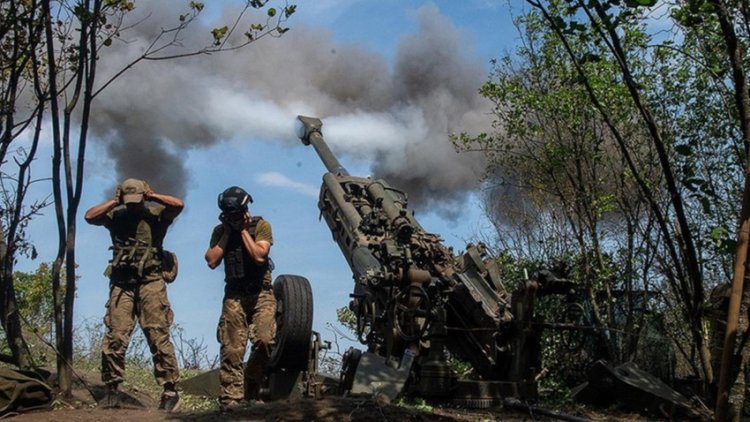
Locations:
398 117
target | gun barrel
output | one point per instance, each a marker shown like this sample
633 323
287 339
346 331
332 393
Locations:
309 132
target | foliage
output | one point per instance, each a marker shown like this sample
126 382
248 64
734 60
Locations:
622 151
460 367
347 318
34 299
553 154
415 403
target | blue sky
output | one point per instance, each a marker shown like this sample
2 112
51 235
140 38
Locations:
243 135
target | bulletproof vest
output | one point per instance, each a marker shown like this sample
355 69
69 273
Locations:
136 243
238 265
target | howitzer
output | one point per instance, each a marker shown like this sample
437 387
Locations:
413 298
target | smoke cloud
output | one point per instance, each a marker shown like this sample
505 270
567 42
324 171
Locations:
396 116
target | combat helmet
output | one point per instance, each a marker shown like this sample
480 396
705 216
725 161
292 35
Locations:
234 200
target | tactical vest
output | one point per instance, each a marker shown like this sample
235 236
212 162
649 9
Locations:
240 271
136 244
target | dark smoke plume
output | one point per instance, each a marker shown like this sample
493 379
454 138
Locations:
397 117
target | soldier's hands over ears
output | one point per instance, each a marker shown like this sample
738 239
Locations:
118 194
246 221
147 191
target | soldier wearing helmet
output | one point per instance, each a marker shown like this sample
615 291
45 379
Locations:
243 243
137 287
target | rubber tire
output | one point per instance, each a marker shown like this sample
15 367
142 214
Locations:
349 364
284 384
294 318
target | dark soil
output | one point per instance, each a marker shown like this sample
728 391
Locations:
327 409
142 406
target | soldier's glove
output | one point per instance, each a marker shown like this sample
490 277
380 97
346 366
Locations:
118 194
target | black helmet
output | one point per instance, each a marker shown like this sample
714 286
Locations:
234 200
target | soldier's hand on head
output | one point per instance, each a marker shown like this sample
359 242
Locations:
246 220
147 191
118 194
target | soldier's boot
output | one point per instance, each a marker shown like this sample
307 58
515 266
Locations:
255 373
170 399
227 406
112 396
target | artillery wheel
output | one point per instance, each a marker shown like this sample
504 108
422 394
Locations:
283 384
349 363
411 321
294 316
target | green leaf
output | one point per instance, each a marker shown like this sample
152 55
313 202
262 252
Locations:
640 3
717 233
219 34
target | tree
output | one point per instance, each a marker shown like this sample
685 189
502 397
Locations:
681 264
667 144
572 196
62 67
732 17
20 39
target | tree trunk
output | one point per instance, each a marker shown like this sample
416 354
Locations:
10 317
56 187
11 320
732 354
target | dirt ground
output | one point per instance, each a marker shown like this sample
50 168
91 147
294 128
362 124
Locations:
141 406
328 409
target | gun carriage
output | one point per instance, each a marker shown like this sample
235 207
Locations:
412 297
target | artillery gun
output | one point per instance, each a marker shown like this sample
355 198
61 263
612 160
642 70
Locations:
414 299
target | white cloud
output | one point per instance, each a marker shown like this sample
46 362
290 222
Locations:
279 180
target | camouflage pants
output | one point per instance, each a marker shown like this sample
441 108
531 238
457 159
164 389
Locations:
148 305
245 317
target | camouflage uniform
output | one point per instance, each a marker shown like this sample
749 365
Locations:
248 312
137 293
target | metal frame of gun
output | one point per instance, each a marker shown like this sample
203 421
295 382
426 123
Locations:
411 293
